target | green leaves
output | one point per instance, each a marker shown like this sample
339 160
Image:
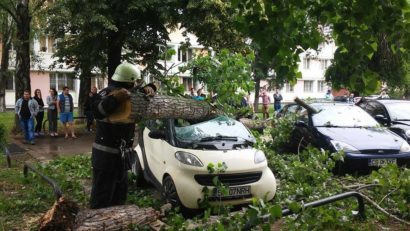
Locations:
226 74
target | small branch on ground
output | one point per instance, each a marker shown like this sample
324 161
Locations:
383 210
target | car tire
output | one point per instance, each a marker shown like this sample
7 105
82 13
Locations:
136 169
170 192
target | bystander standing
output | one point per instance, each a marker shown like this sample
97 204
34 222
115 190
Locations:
65 107
277 98
40 115
92 97
52 112
26 109
265 102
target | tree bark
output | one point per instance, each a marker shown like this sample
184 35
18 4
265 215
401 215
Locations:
85 88
5 57
115 43
22 79
257 89
65 215
141 107
114 218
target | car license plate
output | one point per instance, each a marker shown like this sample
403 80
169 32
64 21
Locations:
382 162
234 191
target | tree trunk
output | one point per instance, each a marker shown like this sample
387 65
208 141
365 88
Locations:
22 79
115 218
115 43
85 88
5 47
257 89
142 107
65 215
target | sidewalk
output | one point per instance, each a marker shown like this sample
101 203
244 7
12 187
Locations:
48 148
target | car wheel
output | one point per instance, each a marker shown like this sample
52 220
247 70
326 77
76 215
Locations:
170 192
136 169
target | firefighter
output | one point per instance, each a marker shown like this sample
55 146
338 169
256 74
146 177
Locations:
114 140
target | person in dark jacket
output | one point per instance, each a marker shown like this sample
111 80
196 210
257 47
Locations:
92 97
277 99
26 109
109 160
40 115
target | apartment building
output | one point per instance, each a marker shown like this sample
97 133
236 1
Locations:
44 75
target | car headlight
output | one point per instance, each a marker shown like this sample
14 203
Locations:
407 134
339 146
188 158
259 157
405 147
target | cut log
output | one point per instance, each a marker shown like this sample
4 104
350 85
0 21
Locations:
114 218
141 107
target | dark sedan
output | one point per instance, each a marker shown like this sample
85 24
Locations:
394 114
339 126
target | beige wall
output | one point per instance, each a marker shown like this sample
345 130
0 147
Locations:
40 80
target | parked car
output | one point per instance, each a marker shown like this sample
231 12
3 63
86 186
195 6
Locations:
394 114
174 154
341 126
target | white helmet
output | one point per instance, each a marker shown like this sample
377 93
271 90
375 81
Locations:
126 72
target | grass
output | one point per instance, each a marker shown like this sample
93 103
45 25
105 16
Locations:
7 119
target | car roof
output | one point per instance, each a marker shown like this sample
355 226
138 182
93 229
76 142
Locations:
392 101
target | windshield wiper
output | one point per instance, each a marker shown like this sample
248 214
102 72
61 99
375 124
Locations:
330 126
211 138
402 120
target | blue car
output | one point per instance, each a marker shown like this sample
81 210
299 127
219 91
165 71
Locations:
341 126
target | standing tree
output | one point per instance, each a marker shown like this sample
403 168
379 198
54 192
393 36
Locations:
7 31
102 34
21 11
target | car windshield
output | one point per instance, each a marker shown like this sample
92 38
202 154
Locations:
220 128
342 116
399 111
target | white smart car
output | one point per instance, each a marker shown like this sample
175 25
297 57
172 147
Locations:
174 154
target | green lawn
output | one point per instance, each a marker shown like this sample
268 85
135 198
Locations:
7 119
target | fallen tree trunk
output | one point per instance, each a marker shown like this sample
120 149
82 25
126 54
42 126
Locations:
65 215
141 107
114 218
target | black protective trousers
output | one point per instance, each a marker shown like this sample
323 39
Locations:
110 180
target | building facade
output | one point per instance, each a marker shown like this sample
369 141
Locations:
45 73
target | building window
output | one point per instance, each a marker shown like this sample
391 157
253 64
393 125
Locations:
59 80
308 86
188 83
47 44
306 63
320 86
184 54
324 64
289 87
9 82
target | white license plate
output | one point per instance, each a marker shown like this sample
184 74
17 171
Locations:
234 191
382 162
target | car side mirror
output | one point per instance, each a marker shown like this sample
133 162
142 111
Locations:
381 119
301 124
157 134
